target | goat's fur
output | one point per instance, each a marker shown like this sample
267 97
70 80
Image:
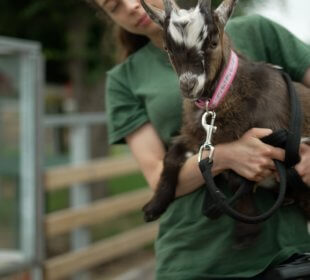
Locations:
257 98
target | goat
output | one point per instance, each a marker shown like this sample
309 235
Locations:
199 50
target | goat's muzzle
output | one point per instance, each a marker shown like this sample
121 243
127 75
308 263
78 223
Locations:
187 85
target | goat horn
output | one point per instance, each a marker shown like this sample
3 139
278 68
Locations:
225 9
155 14
205 3
169 5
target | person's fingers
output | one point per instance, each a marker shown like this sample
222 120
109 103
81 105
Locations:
300 169
267 163
259 132
303 167
259 174
303 148
265 149
276 153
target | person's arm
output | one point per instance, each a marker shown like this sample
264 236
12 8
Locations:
306 78
303 167
149 152
248 156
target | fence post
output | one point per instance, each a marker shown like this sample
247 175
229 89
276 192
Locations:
79 193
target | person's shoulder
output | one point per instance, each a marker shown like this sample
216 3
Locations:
246 26
254 19
134 60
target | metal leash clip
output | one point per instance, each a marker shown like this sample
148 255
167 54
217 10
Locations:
210 129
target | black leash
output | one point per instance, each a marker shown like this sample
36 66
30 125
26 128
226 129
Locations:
216 202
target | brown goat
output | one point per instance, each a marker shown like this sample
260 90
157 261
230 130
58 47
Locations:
199 51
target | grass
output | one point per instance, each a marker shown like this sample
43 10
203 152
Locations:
59 199
121 224
56 200
126 183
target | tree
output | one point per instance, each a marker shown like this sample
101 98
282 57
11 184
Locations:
71 37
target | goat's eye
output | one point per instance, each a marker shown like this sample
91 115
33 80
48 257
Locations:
166 49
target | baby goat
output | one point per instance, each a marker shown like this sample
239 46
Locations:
200 51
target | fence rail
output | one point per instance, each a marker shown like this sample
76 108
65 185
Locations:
105 209
99 211
100 252
64 176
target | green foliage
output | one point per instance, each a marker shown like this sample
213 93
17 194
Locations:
123 223
126 183
49 22
57 200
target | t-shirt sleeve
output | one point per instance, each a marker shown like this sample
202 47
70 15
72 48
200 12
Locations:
125 111
262 39
285 49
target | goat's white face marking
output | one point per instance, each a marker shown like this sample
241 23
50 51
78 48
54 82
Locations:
200 82
188 27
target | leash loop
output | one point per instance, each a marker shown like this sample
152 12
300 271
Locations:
210 128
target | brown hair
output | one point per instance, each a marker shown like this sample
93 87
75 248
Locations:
126 42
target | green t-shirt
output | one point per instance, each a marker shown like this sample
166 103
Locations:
264 40
189 246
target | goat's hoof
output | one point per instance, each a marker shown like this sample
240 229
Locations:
151 213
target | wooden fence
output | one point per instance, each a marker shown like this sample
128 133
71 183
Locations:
106 209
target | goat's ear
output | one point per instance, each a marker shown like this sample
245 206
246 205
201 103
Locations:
225 10
156 14
170 5
205 6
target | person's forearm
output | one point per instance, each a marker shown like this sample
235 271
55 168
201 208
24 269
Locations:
190 177
248 156
306 78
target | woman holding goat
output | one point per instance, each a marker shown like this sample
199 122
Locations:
144 109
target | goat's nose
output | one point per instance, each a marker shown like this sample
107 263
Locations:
187 84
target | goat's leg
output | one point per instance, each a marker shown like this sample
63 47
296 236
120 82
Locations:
165 191
245 234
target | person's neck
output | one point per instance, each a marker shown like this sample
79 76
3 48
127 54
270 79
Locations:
157 40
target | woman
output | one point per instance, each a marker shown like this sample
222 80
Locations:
144 107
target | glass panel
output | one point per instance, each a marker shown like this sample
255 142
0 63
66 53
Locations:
9 152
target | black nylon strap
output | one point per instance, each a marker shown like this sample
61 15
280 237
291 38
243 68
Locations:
221 200
294 133
213 210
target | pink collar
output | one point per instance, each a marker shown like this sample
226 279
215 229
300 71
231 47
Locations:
224 84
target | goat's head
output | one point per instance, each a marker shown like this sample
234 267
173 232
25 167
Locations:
195 42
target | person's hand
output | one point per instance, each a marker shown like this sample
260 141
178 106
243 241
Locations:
303 167
250 157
